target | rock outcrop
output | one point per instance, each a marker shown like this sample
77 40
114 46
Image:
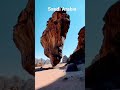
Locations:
54 35
64 59
78 56
104 73
110 29
71 67
23 37
81 40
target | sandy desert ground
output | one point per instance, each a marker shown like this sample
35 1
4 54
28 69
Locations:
58 79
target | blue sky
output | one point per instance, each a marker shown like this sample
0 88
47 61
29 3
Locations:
77 21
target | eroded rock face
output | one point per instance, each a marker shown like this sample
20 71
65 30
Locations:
79 54
105 72
23 37
81 39
54 35
111 28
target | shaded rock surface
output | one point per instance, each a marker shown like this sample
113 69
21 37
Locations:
105 72
111 29
71 67
23 37
16 83
64 59
78 56
54 35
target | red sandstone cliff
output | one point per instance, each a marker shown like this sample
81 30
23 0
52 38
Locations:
79 54
81 39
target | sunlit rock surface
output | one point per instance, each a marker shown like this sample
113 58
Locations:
54 35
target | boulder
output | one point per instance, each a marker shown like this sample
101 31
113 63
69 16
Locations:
71 67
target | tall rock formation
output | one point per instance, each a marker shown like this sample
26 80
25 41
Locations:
111 28
54 35
105 72
79 54
23 37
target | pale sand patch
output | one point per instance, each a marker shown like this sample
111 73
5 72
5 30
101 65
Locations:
53 79
46 77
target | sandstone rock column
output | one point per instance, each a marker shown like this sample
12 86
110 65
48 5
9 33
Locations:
54 35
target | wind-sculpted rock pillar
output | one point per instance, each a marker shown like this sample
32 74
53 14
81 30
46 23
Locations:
54 35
